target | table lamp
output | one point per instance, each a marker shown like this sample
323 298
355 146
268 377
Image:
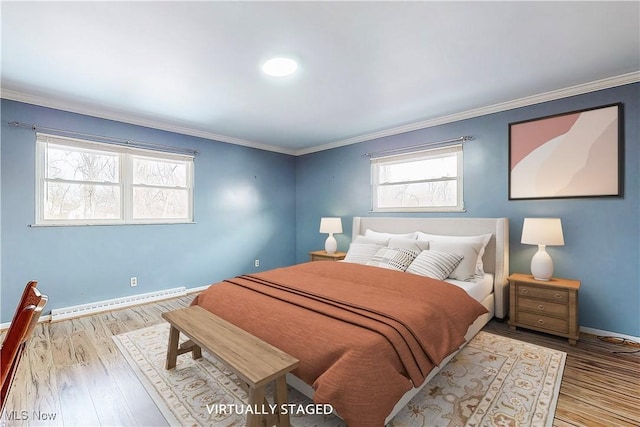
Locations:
542 232
330 225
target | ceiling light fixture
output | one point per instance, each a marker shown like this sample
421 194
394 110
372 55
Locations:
280 67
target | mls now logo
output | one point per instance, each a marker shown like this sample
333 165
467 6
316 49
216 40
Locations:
26 415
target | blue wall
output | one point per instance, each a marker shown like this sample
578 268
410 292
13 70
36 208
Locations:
244 209
256 204
602 235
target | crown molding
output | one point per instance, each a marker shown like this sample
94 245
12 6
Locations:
73 107
49 102
607 83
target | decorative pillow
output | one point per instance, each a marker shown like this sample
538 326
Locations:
467 268
393 258
361 253
378 235
435 264
482 238
414 245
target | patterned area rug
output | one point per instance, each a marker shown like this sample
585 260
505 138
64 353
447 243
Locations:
493 381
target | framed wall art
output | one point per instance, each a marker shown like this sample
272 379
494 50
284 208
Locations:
575 154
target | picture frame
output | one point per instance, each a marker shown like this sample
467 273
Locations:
569 155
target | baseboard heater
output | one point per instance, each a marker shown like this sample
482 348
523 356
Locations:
114 304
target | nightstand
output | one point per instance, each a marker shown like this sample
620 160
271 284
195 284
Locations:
550 306
324 256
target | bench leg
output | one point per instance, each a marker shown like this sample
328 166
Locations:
256 401
190 346
281 398
172 348
196 352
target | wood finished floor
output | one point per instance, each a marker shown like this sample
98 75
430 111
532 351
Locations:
74 375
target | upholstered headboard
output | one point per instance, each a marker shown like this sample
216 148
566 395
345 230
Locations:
496 255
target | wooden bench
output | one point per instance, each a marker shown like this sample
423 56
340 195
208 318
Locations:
254 361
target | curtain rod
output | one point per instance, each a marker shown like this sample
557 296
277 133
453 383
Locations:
417 147
106 139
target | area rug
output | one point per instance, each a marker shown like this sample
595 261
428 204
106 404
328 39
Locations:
492 381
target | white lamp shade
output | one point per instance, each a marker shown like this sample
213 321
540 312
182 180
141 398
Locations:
330 225
542 231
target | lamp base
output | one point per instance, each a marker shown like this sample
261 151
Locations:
331 245
542 265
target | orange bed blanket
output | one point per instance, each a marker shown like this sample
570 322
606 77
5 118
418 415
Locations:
364 335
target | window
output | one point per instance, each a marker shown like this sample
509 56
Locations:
81 182
424 181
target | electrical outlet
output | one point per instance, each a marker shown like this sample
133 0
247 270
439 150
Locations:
134 281
256 263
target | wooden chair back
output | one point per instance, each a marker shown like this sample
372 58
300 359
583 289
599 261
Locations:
22 325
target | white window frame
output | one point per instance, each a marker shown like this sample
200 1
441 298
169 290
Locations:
126 156
376 162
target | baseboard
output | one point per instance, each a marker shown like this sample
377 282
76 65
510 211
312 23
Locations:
43 318
114 304
198 289
603 333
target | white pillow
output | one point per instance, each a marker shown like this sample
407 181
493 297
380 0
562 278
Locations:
467 268
414 245
482 238
393 258
378 235
370 240
435 264
361 253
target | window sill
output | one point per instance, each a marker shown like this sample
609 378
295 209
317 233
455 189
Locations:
418 210
111 224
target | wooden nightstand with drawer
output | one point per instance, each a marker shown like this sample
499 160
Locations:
550 306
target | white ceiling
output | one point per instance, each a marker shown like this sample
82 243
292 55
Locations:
366 68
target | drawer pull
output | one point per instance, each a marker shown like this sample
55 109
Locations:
541 307
540 321
524 291
558 296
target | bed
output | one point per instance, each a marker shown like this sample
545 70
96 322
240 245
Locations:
360 330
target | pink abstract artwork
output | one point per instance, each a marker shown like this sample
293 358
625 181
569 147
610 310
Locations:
570 155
